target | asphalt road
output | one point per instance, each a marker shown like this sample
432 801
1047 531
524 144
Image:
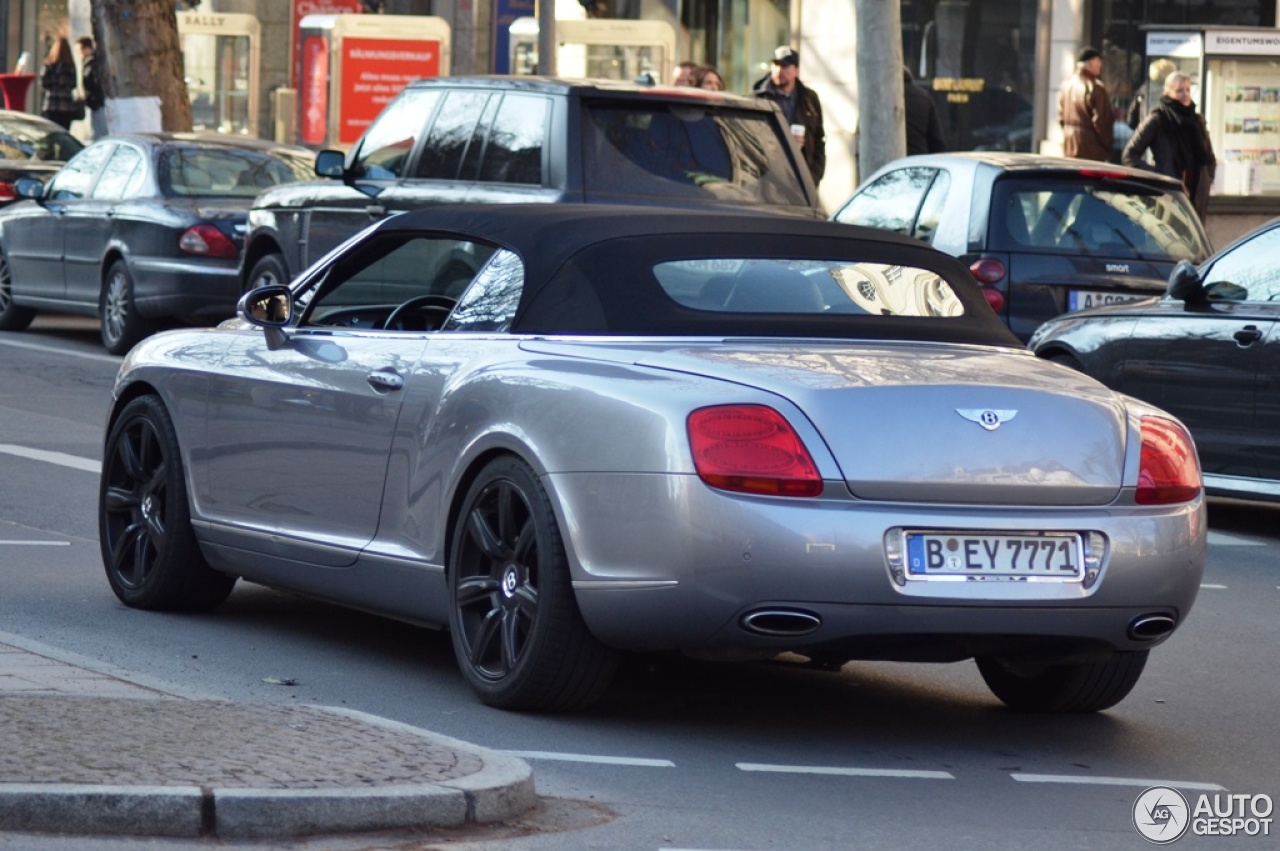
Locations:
681 754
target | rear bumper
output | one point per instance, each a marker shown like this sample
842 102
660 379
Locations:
666 563
198 291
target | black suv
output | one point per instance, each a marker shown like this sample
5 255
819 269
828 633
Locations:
454 140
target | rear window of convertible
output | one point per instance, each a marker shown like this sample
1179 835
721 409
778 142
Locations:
807 287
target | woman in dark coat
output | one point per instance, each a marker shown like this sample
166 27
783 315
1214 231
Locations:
59 83
1178 140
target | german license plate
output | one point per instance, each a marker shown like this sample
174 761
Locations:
1080 299
1045 557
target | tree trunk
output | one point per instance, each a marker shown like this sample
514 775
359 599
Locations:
141 62
882 118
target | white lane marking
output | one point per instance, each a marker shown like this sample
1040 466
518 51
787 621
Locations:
1214 587
36 347
35 543
1115 781
1223 539
60 458
584 757
846 772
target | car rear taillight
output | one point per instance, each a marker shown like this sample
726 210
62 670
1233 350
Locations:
207 241
6 192
995 298
1169 471
751 449
988 270
1103 174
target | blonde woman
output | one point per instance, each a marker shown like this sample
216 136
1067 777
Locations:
1178 142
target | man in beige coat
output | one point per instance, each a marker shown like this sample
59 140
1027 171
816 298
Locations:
1084 111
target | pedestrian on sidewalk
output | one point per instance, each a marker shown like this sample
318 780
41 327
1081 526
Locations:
1178 142
800 105
1084 111
94 98
58 80
924 129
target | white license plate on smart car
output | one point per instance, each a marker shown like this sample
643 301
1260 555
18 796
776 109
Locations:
1046 557
1081 299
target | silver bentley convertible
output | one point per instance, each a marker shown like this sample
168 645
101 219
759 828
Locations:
567 432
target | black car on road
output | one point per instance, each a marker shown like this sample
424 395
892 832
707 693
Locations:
454 140
1207 351
138 229
1043 235
31 147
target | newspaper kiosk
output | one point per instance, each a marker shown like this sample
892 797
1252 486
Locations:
611 48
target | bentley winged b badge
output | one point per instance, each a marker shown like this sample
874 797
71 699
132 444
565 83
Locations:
985 417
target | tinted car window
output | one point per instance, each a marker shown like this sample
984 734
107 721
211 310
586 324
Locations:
1248 272
891 202
490 302
223 172
1109 218
75 179
673 150
814 287
451 135
385 147
122 173
24 140
513 153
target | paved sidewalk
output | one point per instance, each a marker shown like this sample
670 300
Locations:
87 749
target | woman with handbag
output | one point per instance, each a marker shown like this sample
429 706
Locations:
58 80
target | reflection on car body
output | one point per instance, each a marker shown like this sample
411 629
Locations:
654 429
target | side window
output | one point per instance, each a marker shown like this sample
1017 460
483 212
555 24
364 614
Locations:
389 271
385 147
77 176
1247 273
121 177
931 209
452 133
490 303
514 151
891 202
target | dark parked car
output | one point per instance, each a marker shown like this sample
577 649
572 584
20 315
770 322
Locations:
1208 351
1043 235
534 140
31 147
657 430
136 229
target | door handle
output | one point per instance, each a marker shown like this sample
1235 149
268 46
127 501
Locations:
1248 335
376 211
385 380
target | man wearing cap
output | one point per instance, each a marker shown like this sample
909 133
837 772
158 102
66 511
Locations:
1084 110
800 105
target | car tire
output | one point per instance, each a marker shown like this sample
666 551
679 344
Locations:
12 317
269 270
1078 687
1063 359
517 633
144 522
122 327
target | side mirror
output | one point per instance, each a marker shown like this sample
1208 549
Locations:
1185 283
269 308
29 187
331 164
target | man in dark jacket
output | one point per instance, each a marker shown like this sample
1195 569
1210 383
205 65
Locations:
924 130
800 105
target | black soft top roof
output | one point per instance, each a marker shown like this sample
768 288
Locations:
605 255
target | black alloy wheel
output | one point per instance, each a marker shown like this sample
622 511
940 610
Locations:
268 271
144 523
517 632
1077 687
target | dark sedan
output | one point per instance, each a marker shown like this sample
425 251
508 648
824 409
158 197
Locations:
1043 235
1207 351
138 229
31 146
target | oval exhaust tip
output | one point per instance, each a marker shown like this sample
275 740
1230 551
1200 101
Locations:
785 623
1151 627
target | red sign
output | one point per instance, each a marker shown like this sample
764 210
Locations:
314 92
302 8
374 70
